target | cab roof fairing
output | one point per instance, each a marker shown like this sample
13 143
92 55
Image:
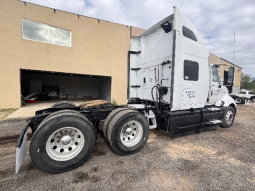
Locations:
170 19
178 21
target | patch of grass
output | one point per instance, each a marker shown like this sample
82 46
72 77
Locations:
114 102
5 112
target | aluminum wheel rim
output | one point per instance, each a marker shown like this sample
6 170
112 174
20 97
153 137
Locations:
238 100
229 117
65 143
131 133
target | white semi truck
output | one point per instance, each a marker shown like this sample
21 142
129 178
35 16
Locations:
172 87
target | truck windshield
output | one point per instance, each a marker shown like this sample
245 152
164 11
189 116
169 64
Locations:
215 75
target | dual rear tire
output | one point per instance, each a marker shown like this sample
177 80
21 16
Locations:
62 142
126 131
65 139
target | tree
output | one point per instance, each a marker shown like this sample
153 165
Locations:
247 82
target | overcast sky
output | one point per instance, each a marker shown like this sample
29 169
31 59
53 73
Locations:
216 20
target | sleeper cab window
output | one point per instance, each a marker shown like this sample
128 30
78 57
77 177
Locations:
188 33
191 69
40 32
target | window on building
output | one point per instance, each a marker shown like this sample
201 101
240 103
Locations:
32 30
231 72
188 33
191 69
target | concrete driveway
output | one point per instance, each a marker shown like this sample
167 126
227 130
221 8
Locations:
29 109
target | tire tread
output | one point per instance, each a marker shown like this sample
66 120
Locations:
108 119
112 124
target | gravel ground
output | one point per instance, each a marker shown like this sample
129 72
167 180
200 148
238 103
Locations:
219 159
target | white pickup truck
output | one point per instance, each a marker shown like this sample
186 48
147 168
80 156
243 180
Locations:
242 96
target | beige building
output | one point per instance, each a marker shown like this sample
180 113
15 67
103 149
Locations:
44 49
224 67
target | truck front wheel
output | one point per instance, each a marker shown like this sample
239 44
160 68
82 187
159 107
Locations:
62 142
239 100
229 117
252 99
128 132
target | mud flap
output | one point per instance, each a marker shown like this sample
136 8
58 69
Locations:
21 153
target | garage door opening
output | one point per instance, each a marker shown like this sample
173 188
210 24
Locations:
48 86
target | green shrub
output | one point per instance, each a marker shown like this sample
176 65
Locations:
114 102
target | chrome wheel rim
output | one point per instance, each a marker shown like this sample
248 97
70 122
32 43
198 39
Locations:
238 100
65 143
229 117
131 133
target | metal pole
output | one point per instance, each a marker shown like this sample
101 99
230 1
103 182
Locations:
234 49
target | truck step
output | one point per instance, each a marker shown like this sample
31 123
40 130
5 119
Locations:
215 122
213 109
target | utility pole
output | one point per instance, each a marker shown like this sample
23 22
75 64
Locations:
234 49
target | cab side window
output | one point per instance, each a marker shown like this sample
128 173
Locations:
188 33
191 69
215 75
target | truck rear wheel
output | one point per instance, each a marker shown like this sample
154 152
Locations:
108 119
62 142
63 104
229 117
128 132
66 111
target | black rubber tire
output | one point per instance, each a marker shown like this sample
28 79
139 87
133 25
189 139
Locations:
241 100
114 130
252 99
38 151
108 119
224 122
66 111
63 104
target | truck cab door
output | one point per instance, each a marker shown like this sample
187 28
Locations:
215 85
